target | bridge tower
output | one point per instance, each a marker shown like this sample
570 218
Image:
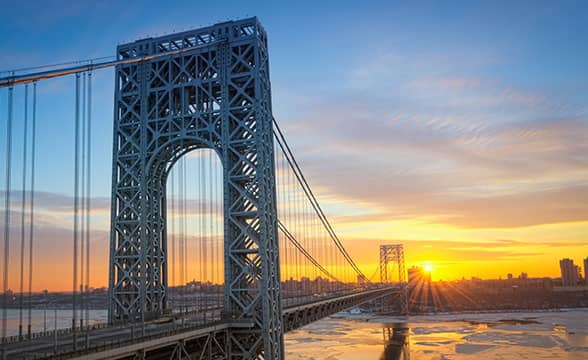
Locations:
394 255
205 88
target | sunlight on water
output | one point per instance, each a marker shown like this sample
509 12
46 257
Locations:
548 335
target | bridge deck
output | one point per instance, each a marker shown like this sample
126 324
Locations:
159 339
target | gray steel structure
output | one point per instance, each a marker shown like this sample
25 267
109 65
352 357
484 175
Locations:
394 254
172 341
215 96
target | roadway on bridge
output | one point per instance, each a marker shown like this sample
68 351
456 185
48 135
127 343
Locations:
162 332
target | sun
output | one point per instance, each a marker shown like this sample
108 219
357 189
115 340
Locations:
428 268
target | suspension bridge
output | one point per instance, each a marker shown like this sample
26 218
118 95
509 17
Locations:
216 270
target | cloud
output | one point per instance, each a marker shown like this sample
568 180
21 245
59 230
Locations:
63 204
464 150
524 174
53 238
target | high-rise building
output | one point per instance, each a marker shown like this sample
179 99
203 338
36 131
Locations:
586 271
569 272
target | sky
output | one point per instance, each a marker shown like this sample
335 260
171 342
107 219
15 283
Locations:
458 129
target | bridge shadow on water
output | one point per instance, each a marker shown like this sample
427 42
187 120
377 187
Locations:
396 342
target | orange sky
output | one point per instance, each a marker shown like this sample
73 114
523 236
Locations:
453 252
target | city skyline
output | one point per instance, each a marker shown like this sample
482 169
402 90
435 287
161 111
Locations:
468 147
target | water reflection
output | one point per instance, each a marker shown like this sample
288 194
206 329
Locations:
396 344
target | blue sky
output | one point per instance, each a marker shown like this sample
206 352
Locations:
449 121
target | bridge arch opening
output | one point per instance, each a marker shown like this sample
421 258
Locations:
195 234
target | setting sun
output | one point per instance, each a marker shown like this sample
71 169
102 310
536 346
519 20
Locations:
428 268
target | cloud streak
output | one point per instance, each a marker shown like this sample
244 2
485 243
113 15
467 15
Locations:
464 150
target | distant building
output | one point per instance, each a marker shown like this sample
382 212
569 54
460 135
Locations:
509 276
569 272
586 271
523 276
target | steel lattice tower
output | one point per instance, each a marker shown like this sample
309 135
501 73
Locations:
394 254
211 91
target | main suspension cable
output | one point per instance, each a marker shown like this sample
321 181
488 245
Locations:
311 197
304 252
13 79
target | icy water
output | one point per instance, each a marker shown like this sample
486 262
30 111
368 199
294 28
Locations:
505 336
48 319
520 335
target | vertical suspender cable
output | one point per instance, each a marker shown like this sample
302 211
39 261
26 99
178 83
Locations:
185 207
7 214
211 235
184 227
312 244
278 210
298 234
203 201
331 260
181 228
200 241
212 220
32 201
200 259
180 239
210 224
88 188
76 208
22 210
82 200
287 270
299 271
288 217
218 232
202 198
284 214
173 236
292 257
204 214
307 245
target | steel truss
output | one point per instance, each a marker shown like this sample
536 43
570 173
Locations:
394 254
299 316
209 341
215 96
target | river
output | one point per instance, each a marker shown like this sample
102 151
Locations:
505 336
345 336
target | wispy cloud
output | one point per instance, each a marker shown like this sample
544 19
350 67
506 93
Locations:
423 139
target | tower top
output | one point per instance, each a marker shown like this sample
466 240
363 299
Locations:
228 30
